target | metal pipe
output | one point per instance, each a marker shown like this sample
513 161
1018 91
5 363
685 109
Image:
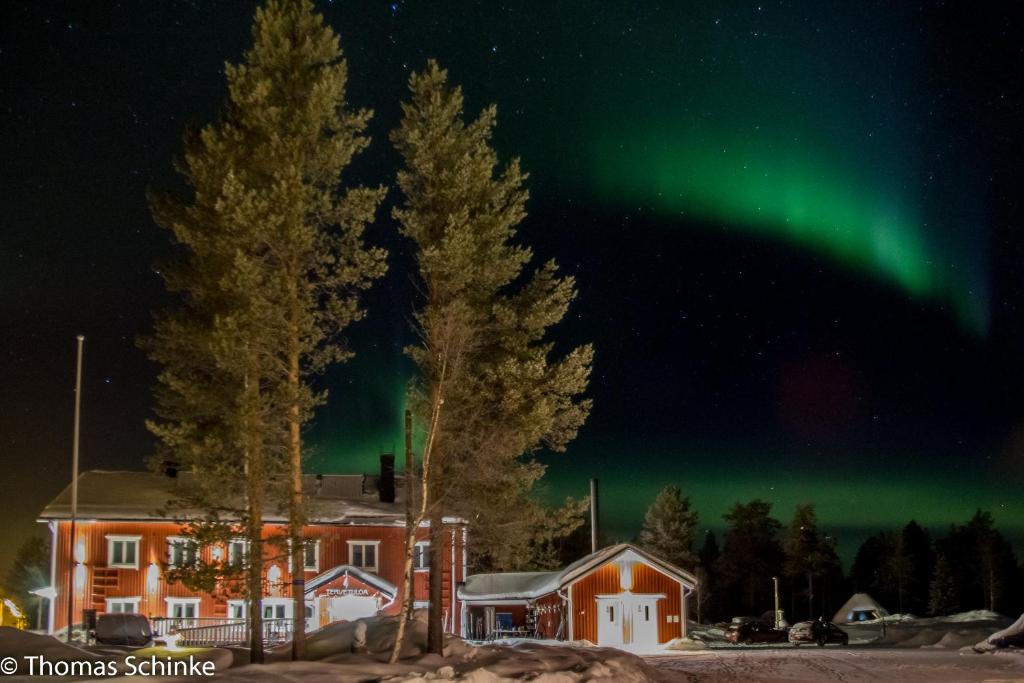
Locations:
593 515
74 486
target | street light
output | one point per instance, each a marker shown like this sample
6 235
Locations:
47 592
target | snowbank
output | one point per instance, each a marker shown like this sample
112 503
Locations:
907 631
17 644
485 664
359 650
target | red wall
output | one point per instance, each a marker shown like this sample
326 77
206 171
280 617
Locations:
605 580
102 582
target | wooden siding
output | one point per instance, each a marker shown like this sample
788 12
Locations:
102 582
550 613
605 580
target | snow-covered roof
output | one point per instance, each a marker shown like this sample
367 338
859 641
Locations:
381 584
585 564
134 495
531 585
509 586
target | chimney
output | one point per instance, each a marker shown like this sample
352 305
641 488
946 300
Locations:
386 484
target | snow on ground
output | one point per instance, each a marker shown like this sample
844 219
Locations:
852 665
907 631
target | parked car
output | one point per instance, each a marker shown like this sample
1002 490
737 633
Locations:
746 632
820 632
123 629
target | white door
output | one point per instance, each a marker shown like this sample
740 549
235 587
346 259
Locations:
645 621
609 621
352 607
312 616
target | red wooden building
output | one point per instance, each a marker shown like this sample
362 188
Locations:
354 556
619 596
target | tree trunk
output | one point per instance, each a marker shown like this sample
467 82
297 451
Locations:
296 518
254 579
412 523
426 500
810 596
435 616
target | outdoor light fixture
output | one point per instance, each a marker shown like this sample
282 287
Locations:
80 552
152 577
626 574
79 576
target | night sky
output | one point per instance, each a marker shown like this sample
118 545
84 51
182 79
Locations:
794 228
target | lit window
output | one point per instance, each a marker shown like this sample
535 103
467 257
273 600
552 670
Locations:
311 560
123 551
363 554
236 609
123 605
421 556
181 552
236 552
182 608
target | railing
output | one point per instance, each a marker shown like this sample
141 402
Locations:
210 632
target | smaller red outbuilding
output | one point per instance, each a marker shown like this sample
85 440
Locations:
619 596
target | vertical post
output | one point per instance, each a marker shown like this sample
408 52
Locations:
74 487
410 476
775 585
593 515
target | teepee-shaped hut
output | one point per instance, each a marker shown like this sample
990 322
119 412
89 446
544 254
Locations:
860 607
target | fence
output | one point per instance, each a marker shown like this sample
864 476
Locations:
210 632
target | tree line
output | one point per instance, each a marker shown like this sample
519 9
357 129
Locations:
269 269
972 566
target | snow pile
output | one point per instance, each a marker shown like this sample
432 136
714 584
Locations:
359 650
485 664
18 644
906 631
1011 636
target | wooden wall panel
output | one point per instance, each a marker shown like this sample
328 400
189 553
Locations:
102 582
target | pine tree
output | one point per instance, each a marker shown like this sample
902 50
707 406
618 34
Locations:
943 596
29 571
273 261
669 528
808 553
707 558
487 390
751 554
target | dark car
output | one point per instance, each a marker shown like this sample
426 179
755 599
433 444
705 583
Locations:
123 629
747 632
820 632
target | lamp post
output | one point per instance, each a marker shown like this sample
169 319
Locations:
48 593
74 486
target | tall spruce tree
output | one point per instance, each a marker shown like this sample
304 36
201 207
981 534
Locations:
669 528
487 390
273 262
808 553
751 555
943 595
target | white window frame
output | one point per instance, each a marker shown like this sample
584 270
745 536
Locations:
273 603
243 604
416 566
315 542
245 552
171 540
171 602
364 542
134 601
123 538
